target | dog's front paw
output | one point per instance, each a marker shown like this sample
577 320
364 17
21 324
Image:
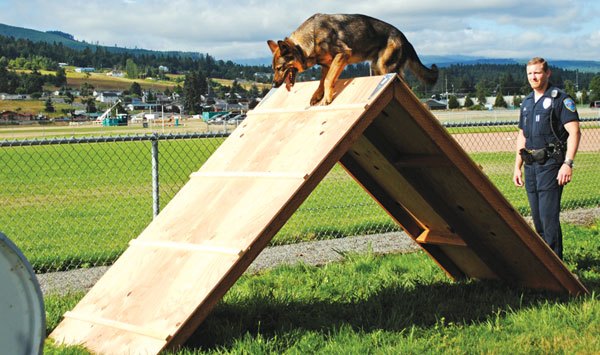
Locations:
316 98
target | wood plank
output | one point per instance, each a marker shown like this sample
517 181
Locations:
270 111
118 325
186 246
250 174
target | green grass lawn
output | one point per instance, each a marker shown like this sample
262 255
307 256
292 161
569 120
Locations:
393 304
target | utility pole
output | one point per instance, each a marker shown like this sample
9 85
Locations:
447 99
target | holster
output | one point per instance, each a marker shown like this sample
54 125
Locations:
556 151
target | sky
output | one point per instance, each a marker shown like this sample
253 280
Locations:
239 29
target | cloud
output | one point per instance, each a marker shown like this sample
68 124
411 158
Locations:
240 28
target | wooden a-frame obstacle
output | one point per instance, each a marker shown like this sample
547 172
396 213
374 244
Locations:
168 280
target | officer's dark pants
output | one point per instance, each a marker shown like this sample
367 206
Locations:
544 195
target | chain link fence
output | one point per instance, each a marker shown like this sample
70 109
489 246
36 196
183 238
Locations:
76 202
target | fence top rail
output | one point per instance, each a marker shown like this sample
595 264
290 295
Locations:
498 123
106 139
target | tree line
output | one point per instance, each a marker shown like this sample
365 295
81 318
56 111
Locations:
101 57
473 80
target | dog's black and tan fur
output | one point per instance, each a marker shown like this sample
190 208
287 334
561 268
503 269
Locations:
334 41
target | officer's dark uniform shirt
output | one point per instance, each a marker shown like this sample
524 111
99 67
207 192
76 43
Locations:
535 117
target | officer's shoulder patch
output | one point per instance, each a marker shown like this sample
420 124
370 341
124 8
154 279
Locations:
570 104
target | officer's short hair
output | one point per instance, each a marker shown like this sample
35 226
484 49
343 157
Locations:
538 60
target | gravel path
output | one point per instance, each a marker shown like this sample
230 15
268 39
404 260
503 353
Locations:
312 253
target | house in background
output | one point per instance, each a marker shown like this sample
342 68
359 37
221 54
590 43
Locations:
108 97
13 117
15 97
138 104
85 70
116 74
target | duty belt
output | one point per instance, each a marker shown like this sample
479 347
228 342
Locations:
530 156
555 151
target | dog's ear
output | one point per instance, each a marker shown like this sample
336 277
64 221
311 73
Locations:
285 46
272 45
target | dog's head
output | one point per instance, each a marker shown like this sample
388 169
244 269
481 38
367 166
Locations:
287 62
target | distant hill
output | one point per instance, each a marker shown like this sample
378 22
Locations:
61 37
441 61
38 36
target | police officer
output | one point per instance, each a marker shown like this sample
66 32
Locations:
547 142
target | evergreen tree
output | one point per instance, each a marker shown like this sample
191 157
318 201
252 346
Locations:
3 75
194 87
69 98
60 79
585 99
453 102
570 89
482 92
49 107
136 89
595 88
468 101
86 89
150 97
90 105
500 102
517 100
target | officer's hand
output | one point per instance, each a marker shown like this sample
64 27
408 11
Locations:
564 175
518 177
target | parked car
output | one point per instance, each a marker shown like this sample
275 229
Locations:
236 118
595 104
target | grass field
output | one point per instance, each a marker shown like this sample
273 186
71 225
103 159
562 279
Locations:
102 81
393 304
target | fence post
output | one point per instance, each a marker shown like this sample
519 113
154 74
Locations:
155 185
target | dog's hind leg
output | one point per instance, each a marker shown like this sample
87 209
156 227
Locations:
391 59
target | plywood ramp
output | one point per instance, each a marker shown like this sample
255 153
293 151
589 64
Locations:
181 265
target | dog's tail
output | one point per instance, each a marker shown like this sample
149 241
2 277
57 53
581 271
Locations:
426 75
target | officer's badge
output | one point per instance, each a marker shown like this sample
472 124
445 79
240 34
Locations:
546 103
570 104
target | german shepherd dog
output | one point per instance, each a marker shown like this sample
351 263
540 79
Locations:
334 41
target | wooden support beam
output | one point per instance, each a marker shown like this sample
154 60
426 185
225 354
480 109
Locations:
441 238
395 209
